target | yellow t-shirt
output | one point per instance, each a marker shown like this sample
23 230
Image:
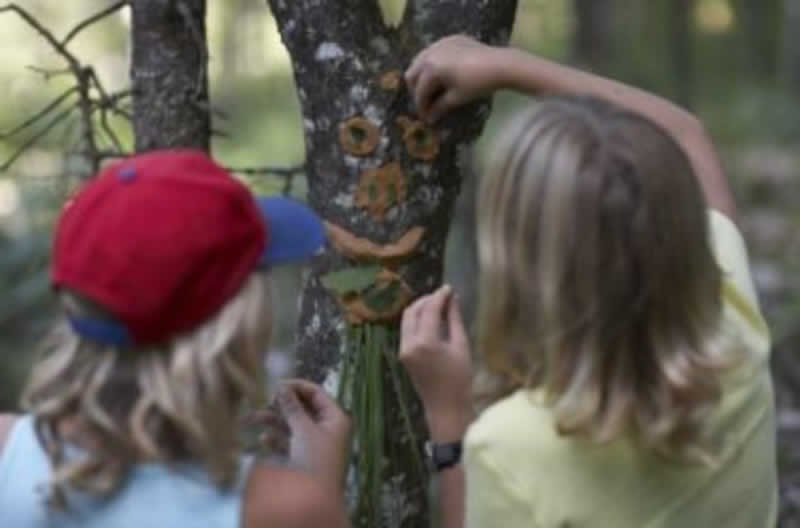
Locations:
521 473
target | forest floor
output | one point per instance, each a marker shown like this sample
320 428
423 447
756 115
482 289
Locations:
769 191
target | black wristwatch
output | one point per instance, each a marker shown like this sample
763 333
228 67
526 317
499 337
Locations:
443 456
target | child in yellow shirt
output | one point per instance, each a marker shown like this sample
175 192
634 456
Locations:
618 319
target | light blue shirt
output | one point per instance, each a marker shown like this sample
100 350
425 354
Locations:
153 495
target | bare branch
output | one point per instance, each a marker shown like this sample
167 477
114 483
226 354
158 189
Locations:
40 114
293 170
112 154
110 103
109 130
49 74
93 19
220 132
44 32
83 75
122 113
37 137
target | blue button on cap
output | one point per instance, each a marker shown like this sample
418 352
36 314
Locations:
127 174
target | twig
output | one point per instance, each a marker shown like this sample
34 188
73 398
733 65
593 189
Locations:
110 102
109 130
116 97
48 74
220 132
40 114
111 154
93 19
122 113
105 104
43 31
36 137
83 75
293 170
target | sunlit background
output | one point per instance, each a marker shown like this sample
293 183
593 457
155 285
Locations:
731 61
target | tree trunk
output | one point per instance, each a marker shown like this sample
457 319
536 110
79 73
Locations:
761 21
169 75
360 126
792 43
681 50
593 42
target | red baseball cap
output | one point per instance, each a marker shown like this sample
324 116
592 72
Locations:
163 240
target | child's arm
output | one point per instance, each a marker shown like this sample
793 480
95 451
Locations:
457 70
441 370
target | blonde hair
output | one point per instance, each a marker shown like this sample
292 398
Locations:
173 403
598 283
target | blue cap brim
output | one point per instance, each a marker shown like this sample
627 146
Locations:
294 232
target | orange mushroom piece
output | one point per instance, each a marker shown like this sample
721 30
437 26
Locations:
422 142
391 80
380 189
358 136
363 249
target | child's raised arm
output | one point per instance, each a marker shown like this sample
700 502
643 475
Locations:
457 70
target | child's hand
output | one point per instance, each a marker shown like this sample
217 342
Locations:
440 366
450 73
320 431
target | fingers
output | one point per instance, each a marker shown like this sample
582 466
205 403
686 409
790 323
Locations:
413 71
455 324
441 105
318 404
408 324
418 64
432 314
433 85
293 409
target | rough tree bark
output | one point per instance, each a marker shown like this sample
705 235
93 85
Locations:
169 74
341 53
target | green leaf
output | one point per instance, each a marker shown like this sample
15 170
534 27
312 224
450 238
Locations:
381 300
351 280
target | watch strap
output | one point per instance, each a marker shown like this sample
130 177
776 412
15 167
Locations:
443 456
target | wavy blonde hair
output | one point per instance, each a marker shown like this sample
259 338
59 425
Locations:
169 404
598 283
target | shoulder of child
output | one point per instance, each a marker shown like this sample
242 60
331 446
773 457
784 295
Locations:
290 499
6 424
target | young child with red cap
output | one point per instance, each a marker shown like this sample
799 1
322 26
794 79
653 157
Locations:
161 265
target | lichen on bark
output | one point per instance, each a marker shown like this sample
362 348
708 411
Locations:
169 75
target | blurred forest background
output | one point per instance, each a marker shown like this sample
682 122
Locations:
736 63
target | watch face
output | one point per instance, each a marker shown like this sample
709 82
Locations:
446 451
443 456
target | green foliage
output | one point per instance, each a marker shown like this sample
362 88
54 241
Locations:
351 280
26 309
382 299
369 371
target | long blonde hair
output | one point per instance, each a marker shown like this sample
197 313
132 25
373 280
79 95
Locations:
598 283
169 404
